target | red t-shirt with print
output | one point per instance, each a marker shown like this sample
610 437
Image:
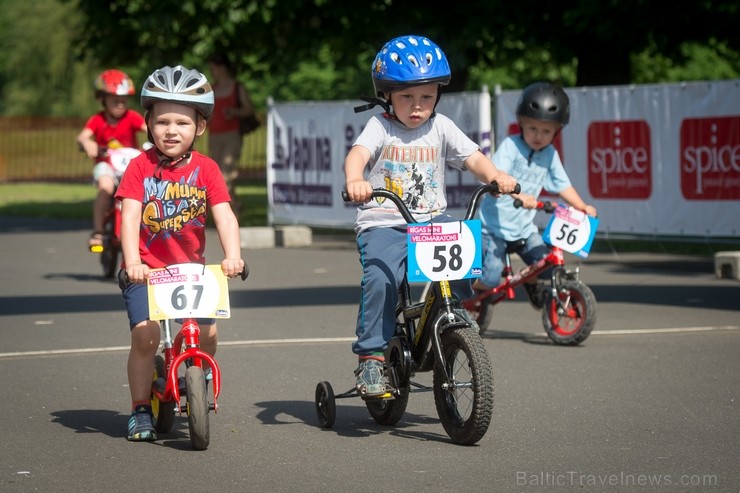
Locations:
120 134
175 206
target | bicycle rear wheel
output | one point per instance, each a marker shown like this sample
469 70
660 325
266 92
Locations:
463 389
163 412
197 393
388 412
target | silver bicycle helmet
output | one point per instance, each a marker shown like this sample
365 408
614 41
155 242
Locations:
544 101
181 85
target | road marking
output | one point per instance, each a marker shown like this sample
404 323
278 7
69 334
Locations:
334 340
663 331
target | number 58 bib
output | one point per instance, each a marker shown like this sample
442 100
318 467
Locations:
444 251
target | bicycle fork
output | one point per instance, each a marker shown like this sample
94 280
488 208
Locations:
190 335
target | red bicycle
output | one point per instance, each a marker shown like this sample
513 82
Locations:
569 309
168 387
110 248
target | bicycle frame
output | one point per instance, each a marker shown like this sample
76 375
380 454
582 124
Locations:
422 332
505 290
175 356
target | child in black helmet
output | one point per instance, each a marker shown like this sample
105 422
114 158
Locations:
165 195
530 157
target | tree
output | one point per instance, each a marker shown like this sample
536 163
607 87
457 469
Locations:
601 37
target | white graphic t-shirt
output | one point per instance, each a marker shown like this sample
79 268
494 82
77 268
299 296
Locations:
410 163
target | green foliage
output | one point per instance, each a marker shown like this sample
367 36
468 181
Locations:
322 49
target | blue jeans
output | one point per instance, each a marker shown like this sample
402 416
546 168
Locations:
383 255
494 252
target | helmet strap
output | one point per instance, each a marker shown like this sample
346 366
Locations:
372 103
166 162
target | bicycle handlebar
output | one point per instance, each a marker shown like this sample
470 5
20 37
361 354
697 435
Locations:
547 206
491 188
123 276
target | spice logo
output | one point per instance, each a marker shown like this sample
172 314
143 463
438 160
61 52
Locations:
710 158
619 160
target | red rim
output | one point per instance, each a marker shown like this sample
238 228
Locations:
572 320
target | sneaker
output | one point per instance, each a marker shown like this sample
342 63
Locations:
465 315
370 380
536 294
140 428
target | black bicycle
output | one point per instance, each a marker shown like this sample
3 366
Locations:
435 334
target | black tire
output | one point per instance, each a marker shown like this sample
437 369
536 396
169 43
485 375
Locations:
388 412
197 392
572 323
326 406
163 412
109 257
484 316
465 412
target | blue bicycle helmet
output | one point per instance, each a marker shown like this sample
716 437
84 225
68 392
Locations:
409 60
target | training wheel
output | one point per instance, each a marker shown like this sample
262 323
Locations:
326 407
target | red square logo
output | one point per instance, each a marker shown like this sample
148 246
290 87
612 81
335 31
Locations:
619 160
710 158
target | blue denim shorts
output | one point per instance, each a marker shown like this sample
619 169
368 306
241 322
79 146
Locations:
137 305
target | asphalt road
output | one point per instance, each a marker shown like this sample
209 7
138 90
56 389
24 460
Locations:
650 402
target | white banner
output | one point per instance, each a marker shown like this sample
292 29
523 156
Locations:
308 141
652 159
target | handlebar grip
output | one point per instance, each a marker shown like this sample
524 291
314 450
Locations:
245 273
517 189
495 189
345 196
518 203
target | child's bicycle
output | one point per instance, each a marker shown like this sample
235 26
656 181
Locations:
197 291
432 335
569 309
110 249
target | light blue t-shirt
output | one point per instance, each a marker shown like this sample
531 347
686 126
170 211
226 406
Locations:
411 163
533 171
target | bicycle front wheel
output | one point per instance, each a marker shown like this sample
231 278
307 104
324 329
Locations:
200 434
463 389
570 317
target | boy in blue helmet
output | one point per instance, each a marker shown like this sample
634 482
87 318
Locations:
406 148
543 110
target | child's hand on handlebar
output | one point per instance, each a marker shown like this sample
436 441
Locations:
137 273
527 201
506 183
232 267
359 191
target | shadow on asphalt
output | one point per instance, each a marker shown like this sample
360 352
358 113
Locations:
722 297
351 421
114 425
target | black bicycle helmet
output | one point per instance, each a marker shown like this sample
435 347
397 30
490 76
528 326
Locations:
544 101
181 85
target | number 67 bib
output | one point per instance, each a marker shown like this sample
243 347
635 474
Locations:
571 230
444 251
188 291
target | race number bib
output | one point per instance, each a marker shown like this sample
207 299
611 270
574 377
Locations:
188 291
444 251
571 230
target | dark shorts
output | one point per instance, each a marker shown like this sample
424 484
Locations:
137 306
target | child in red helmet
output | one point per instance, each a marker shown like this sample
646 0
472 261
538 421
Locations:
115 126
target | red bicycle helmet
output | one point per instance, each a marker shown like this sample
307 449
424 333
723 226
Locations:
114 82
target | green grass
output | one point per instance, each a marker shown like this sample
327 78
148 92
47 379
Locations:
74 201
